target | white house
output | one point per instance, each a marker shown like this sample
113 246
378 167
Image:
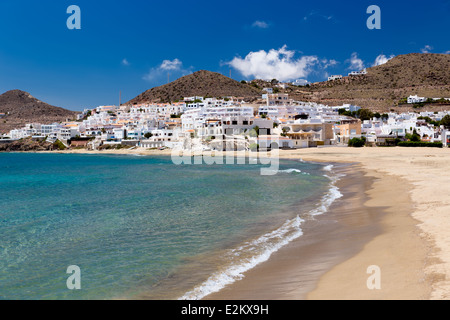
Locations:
18 134
47 129
283 85
350 107
267 142
300 82
416 99
191 99
358 73
446 138
335 77
134 134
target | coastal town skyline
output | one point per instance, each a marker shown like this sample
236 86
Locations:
132 48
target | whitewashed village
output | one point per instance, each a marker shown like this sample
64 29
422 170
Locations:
229 123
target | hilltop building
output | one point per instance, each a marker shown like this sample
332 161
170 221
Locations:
335 77
358 73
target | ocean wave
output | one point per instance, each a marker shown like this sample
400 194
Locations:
291 171
294 171
328 167
332 194
265 245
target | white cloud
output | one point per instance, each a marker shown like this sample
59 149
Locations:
426 49
125 62
173 67
174 64
325 63
356 64
260 24
447 52
382 59
275 64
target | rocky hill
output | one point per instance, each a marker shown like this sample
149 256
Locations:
381 89
27 144
384 86
202 83
18 108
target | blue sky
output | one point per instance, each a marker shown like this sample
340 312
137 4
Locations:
132 46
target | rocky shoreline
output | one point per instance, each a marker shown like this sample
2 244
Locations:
27 144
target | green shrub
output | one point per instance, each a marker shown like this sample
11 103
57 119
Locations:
413 137
114 147
59 145
445 121
356 142
403 101
364 114
420 144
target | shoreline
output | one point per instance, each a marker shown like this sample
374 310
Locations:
418 173
330 260
294 270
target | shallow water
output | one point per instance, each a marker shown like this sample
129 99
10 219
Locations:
142 226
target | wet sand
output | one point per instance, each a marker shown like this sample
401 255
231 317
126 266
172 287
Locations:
327 261
399 252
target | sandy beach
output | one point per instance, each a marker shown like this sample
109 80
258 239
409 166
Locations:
394 215
413 252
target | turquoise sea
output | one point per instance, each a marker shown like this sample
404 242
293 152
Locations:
142 227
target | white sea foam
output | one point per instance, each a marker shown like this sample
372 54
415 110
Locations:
241 259
293 171
332 194
265 246
290 171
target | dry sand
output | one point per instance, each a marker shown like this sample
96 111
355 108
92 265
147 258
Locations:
406 272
